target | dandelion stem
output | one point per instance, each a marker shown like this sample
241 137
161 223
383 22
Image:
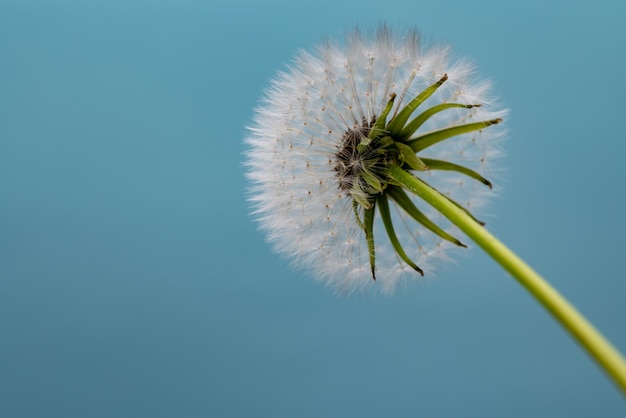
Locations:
577 325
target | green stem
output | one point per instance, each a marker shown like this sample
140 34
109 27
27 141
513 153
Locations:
581 329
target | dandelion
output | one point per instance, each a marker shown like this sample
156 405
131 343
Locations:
367 159
326 136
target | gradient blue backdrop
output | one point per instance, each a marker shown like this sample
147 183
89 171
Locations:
134 284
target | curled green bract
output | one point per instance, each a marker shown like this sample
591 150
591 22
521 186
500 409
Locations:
370 154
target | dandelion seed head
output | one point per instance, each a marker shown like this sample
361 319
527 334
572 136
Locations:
305 170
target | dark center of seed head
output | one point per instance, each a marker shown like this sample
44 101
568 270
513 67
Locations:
348 159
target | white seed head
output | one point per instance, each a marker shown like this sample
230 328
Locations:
300 169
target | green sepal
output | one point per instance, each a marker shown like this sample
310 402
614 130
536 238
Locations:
398 122
362 146
448 166
381 120
403 200
372 180
355 208
385 142
415 124
385 214
368 223
408 157
360 196
431 138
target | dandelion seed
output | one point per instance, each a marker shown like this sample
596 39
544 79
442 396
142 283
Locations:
327 135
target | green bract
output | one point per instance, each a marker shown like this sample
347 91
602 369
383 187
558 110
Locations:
371 155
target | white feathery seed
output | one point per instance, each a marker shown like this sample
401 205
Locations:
299 128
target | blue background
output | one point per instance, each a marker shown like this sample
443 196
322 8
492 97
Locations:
133 283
